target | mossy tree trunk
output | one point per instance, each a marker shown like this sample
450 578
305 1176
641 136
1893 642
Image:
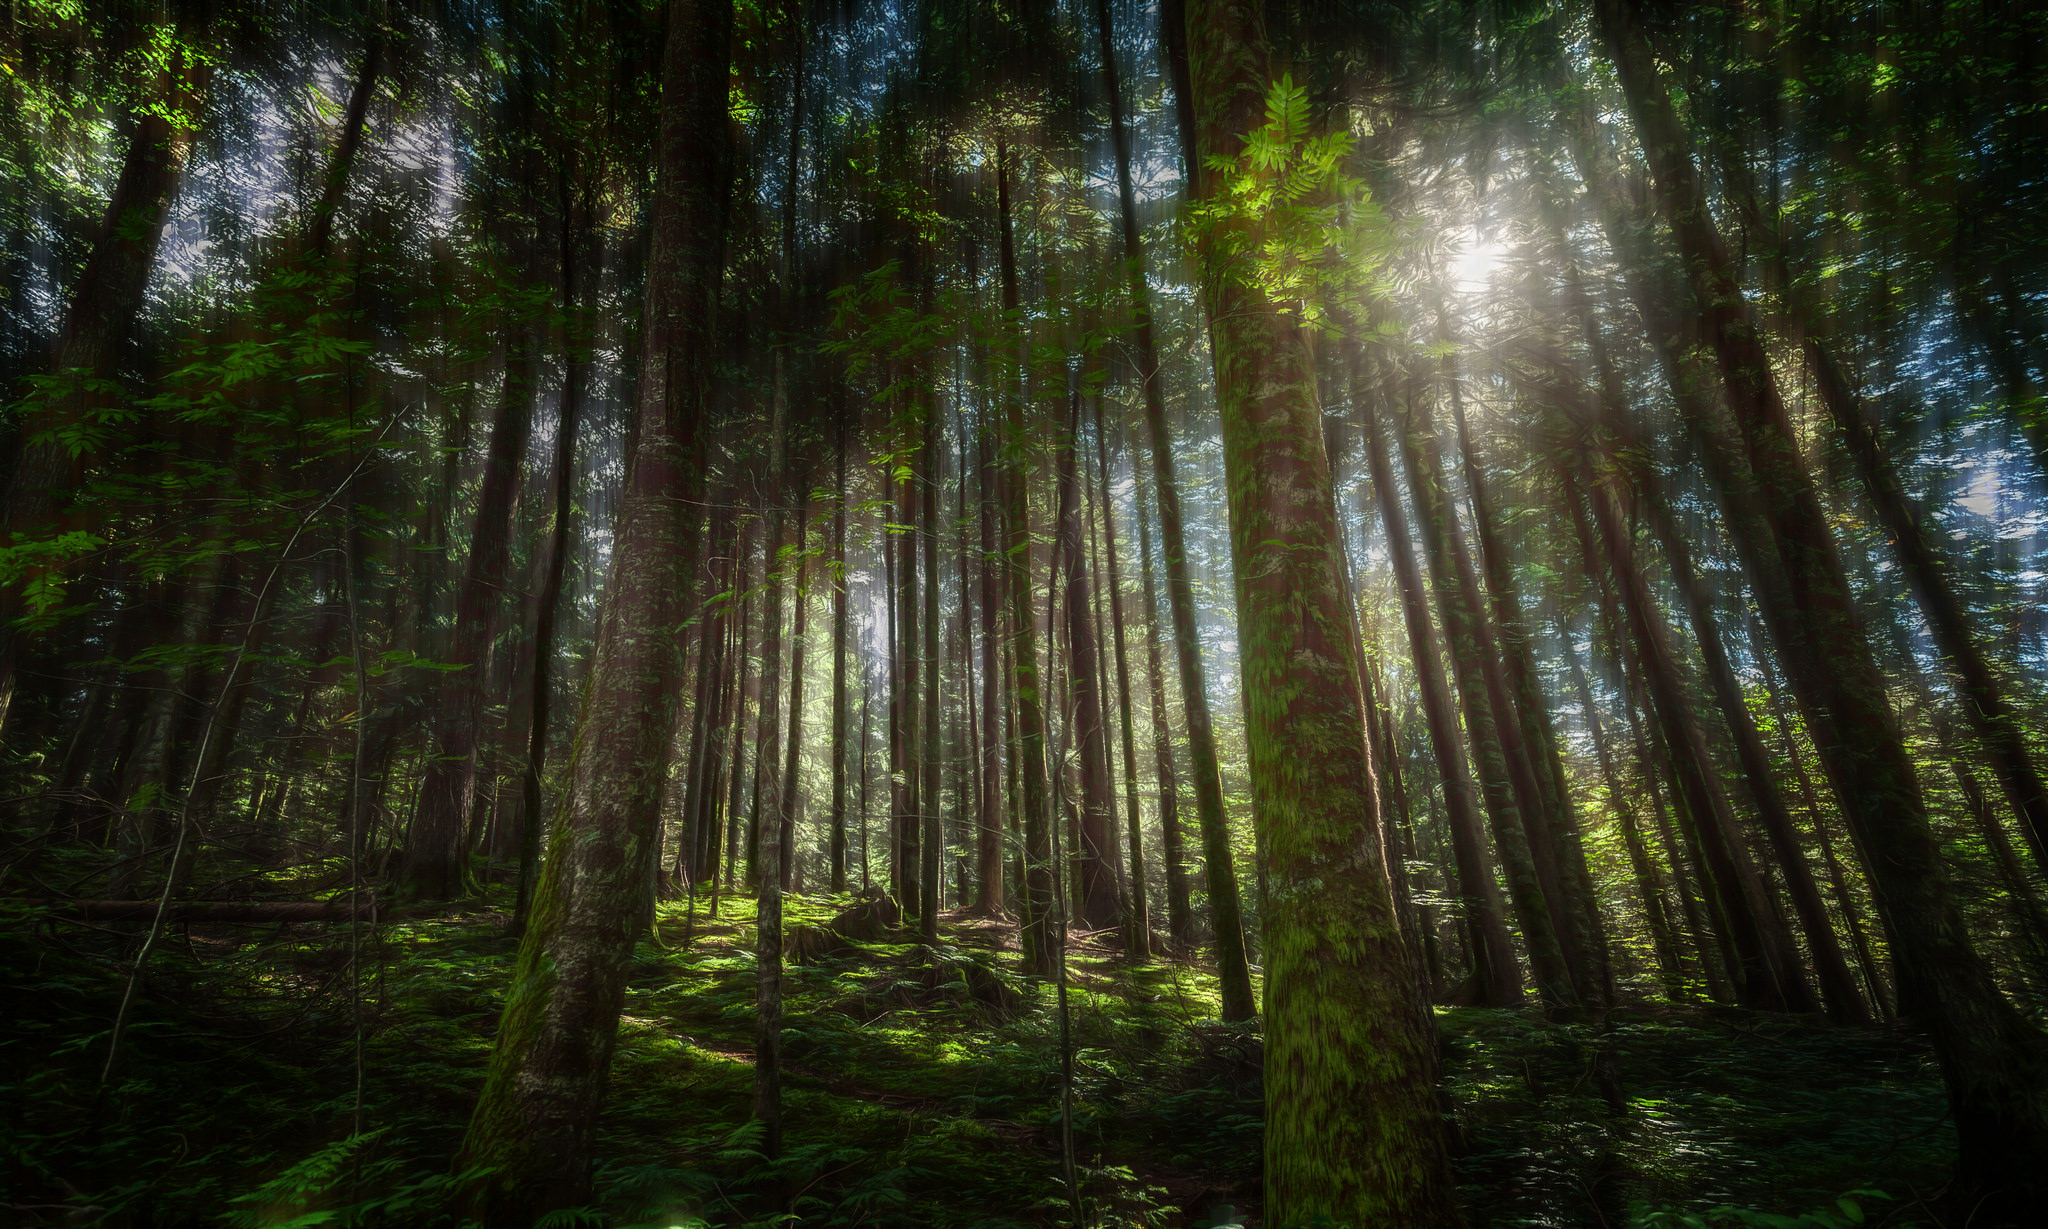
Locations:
530 1137
1354 1131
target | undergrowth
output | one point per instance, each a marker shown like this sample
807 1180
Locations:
921 1089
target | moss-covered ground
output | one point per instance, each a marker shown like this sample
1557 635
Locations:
266 1086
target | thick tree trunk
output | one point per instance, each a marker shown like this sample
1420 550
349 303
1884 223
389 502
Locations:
1353 1128
1994 1062
533 1126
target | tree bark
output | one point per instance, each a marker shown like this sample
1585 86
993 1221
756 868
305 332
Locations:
1226 917
1516 839
1180 923
1041 936
1353 1128
533 1125
1496 976
1994 1062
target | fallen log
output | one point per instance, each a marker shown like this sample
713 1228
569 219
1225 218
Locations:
226 912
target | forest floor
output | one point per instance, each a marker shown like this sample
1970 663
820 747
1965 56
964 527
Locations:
263 1086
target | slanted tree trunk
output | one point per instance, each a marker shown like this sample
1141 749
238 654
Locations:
1580 927
1926 567
1649 885
1353 1127
1496 976
1205 771
1994 1062
1530 888
1763 980
531 1134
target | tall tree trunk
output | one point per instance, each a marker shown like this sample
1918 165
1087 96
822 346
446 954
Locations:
800 597
531 1133
1532 881
1763 980
1496 972
575 378
1140 943
1581 928
1028 760
1095 901
1925 565
931 841
1204 768
1180 923
1353 1127
100 317
1649 885
435 867
841 630
1994 1062
988 846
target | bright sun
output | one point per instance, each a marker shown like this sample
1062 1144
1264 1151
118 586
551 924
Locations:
1477 257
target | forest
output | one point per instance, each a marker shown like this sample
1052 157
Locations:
990 614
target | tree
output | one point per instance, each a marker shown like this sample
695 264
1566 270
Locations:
1351 1128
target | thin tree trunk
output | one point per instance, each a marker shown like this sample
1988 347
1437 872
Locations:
1180 925
1095 901
1042 951
1762 981
841 625
1496 973
1140 943
931 839
1205 770
1649 884
990 897
435 865
1529 888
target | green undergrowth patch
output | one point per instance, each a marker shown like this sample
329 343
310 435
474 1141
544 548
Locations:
921 1088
